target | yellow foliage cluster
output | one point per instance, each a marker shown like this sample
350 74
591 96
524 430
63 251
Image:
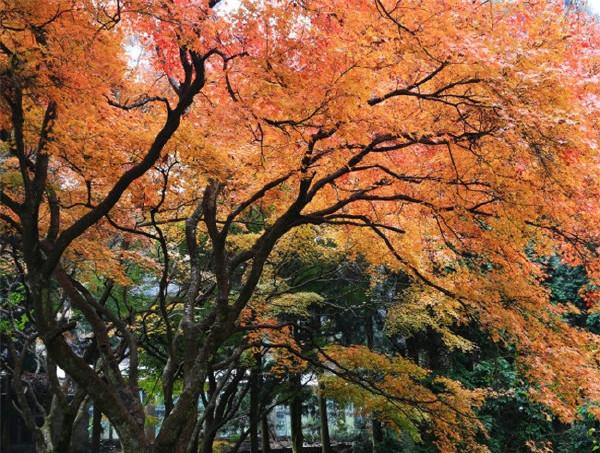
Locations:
405 396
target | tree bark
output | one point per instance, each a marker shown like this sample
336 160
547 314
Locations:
207 441
296 414
438 355
323 418
80 436
324 423
377 433
377 429
266 446
254 416
96 429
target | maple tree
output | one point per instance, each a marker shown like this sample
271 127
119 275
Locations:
445 140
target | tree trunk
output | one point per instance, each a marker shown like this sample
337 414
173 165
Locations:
96 429
376 424
120 405
266 446
209 432
208 440
377 433
296 414
323 418
324 424
438 354
150 427
80 434
254 416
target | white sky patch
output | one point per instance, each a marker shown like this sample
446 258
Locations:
594 6
229 6
134 52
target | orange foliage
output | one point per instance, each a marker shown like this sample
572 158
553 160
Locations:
440 138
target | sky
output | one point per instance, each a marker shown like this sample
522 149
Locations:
594 6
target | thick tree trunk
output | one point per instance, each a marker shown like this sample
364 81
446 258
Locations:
177 428
186 437
324 424
43 441
296 414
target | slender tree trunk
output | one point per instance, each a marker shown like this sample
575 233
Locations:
64 434
195 440
80 436
323 418
54 425
254 416
377 433
209 433
438 354
208 440
324 423
377 429
266 446
150 428
296 414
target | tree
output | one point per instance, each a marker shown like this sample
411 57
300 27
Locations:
38 392
438 139
49 97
